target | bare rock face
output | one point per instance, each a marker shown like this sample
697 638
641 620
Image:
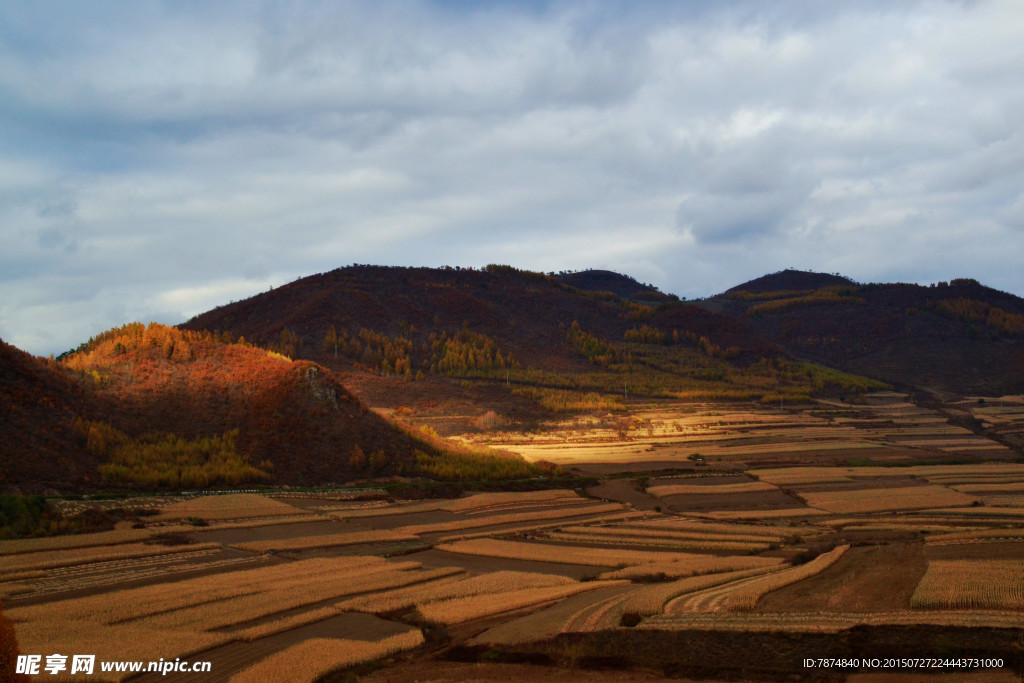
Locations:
320 390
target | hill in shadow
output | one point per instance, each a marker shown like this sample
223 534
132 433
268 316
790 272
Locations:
951 338
157 407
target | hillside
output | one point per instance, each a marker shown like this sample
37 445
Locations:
951 338
39 403
526 315
616 283
465 333
157 407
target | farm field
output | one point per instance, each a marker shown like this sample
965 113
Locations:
780 538
886 429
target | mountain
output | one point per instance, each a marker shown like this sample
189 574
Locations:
951 338
609 281
157 407
525 314
450 341
39 403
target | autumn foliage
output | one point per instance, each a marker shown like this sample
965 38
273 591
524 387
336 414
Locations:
160 407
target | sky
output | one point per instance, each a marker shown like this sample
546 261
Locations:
160 159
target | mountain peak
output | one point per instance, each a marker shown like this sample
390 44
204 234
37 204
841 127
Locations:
790 280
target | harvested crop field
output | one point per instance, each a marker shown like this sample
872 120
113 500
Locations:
879 500
502 571
868 578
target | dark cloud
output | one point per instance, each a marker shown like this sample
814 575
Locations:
161 158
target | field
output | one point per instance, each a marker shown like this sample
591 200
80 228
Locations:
792 526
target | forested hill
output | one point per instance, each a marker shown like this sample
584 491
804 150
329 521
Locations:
951 338
150 407
522 316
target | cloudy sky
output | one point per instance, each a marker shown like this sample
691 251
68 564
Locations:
158 159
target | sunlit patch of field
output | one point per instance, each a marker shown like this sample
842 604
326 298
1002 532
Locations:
311 659
230 506
737 433
971 584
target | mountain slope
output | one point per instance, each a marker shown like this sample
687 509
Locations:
492 339
157 407
952 338
525 314
39 402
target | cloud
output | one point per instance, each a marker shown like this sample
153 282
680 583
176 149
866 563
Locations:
156 157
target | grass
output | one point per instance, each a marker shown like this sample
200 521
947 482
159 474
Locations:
311 659
971 584
881 500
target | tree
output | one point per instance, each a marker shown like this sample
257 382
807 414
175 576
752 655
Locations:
331 341
356 458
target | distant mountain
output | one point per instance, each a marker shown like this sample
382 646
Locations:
790 280
951 338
